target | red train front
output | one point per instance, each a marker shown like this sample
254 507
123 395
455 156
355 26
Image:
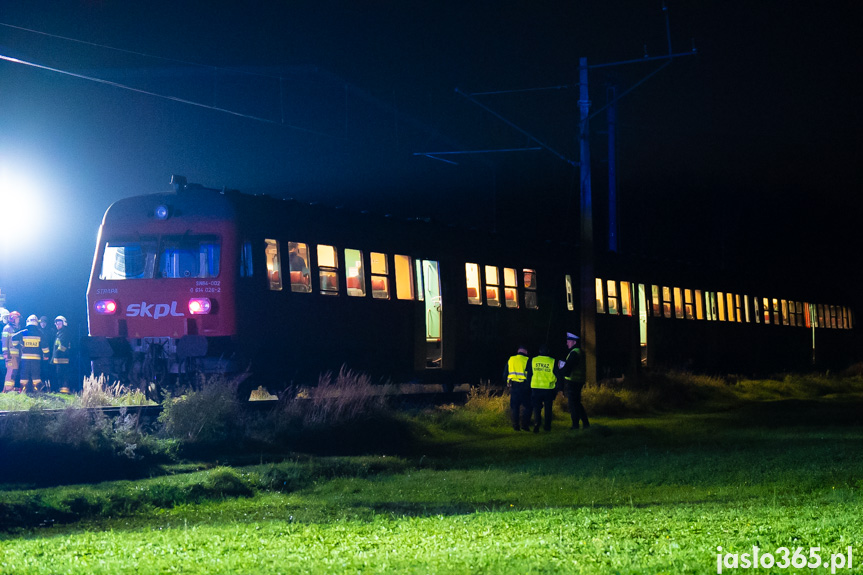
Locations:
160 297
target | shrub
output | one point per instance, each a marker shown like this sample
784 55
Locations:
211 415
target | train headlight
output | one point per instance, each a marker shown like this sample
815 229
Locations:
106 306
199 306
162 212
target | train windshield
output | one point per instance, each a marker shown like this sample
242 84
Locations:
184 256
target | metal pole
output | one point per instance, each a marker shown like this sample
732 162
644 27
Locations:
612 170
588 278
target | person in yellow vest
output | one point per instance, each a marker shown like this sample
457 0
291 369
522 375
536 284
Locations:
519 389
542 374
573 372
34 349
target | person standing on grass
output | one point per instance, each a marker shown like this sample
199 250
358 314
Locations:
573 373
519 389
60 354
542 374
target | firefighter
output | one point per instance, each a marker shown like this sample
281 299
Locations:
34 349
4 315
542 373
49 333
60 354
519 389
11 350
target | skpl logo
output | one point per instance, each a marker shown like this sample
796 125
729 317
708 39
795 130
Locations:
153 310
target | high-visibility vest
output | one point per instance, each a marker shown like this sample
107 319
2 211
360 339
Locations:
543 377
516 368
577 371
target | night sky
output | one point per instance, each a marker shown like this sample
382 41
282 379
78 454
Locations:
748 152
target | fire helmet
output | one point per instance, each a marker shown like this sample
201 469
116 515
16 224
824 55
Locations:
32 320
14 316
60 318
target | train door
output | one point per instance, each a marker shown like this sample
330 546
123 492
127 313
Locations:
642 323
432 299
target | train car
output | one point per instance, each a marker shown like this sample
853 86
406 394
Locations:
205 280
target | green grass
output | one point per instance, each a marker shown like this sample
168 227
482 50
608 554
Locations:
651 493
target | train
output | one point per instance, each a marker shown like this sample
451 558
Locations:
202 280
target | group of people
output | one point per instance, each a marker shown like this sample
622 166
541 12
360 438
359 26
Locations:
35 354
533 384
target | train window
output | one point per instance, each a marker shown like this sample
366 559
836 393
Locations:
298 258
833 316
472 280
732 309
570 303
274 267
420 288
666 301
492 286
657 303
600 298
792 313
678 303
687 304
380 276
626 298
129 260
404 278
355 274
246 260
613 300
756 304
765 302
746 307
720 298
328 270
530 300
783 307
510 287
777 316
189 257
800 314
699 305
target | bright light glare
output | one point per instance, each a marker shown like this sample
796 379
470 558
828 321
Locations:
21 199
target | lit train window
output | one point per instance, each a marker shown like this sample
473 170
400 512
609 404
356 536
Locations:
129 260
783 307
626 298
777 315
298 261
678 303
492 286
712 313
807 315
404 277
189 257
274 267
355 275
328 270
420 288
699 305
729 306
766 307
792 313
666 301
820 310
657 303
688 310
530 300
613 300
833 316
380 276
746 307
600 297
510 287
733 307
472 280
800 313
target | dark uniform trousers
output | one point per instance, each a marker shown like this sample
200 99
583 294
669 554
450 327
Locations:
519 404
576 409
542 399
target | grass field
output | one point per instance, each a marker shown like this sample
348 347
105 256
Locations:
658 493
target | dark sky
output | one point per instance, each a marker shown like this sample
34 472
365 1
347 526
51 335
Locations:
749 150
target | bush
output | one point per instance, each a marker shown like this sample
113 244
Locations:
211 415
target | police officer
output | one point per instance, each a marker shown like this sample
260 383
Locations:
60 354
11 350
34 349
573 373
519 389
542 373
